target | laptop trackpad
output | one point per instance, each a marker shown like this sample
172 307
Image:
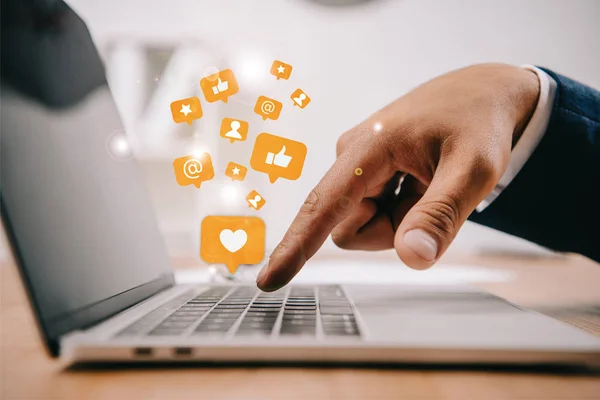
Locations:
448 316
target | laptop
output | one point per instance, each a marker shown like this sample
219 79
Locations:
95 267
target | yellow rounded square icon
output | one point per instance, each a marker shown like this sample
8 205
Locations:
235 171
232 241
268 108
255 200
193 170
278 157
281 70
300 98
219 86
186 110
234 129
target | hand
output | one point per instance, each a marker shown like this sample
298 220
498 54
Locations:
446 143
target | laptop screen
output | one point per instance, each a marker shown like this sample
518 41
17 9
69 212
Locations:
75 207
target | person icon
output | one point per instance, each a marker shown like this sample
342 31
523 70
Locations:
300 100
233 133
254 202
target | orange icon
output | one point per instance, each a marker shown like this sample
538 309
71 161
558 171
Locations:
281 70
219 86
268 108
186 110
300 98
255 200
236 171
234 129
232 241
193 170
278 157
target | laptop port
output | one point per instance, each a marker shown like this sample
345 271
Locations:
182 351
143 351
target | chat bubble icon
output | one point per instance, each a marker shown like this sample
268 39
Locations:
232 241
236 172
281 70
234 129
278 157
300 98
255 200
219 86
268 108
193 170
186 110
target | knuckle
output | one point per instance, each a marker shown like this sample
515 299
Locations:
442 215
316 208
487 168
341 239
312 204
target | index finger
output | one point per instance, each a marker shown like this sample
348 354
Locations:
329 203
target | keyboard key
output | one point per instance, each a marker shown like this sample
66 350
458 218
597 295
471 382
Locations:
287 315
264 310
306 312
218 314
335 310
261 314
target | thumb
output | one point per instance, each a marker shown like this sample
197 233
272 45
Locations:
219 81
282 152
430 226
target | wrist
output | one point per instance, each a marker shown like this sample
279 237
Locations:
527 94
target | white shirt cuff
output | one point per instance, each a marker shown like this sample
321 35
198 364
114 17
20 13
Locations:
531 137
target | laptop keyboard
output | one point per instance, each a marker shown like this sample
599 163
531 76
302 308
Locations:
244 311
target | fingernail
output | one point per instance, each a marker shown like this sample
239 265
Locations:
262 273
422 244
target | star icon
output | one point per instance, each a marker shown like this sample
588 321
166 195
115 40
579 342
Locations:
236 171
281 69
185 109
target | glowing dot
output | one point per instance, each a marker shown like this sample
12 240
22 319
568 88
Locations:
251 67
229 193
358 171
197 151
377 127
121 145
118 146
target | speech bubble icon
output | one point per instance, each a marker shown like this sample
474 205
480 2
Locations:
255 200
219 86
268 108
186 110
193 170
278 157
232 241
281 70
236 172
234 129
300 98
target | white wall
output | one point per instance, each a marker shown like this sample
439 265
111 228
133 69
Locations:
350 60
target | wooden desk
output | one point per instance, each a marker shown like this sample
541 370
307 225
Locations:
27 373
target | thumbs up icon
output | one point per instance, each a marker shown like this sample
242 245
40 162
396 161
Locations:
280 159
220 87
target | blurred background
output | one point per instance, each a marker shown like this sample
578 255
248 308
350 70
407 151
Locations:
351 57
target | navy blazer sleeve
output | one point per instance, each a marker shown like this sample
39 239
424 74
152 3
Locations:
554 200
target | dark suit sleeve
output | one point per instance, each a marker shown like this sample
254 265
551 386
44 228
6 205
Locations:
554 200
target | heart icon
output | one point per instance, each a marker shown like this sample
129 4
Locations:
233 241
